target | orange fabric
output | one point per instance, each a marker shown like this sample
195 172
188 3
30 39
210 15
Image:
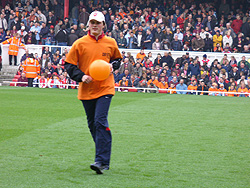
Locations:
86 50
31 68
155 82
14 45
172 92
141 56
213 89
241 90
120 83
231 95
190 87
162 86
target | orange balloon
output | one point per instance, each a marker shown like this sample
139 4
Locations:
99 70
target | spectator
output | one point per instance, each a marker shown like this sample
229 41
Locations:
193 69
198 43
176 44
159 34
174 81
208 44
246 28
140 39
83 16
239 42
132 41
149 40
22 78
72 37
133 81
213 90
167 60
157 61
236 24
43 82
156 45
3 22
193 87
50 68
115 32
62 36
121 41
217 39
137 69
227 39
44 33
58 26
44 62
162 84
181 87
126 65
202 87
228 27
243 89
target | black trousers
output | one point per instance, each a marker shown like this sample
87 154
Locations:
97 116
30 82
10 59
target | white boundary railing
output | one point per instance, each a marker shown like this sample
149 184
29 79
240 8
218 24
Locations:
144 89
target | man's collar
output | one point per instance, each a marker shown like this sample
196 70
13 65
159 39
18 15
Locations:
100 36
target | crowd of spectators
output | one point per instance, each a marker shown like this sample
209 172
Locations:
184 75
219 26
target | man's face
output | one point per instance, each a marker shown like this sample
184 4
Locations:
96 27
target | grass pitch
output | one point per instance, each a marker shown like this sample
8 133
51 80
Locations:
159 140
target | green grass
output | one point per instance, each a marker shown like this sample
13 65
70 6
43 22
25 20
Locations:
159 140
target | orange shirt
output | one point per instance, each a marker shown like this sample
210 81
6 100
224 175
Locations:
141 56
229 94
155 82
245 90
163 85
172 91
191 87
86 50
212 89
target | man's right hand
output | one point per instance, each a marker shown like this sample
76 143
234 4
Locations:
86 79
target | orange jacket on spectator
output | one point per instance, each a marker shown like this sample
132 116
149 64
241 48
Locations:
141 56
163 85
243 90
155 82
231 91
14 45
31 67
172 91
191 87
214 90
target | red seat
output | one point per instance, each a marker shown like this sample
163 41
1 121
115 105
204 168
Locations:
17 76
132 90
14 80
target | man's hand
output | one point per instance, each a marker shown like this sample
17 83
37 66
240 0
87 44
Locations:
86 79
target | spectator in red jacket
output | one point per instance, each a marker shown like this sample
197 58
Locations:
236 25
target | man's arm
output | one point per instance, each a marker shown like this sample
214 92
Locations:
74 72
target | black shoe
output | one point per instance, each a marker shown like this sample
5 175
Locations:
98 167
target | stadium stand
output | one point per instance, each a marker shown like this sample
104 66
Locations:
197 41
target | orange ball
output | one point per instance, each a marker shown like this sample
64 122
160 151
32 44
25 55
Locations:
99 70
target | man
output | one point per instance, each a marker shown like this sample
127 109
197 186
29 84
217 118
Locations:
31 68
181 87
95 95
149 40
176 44
198 43
22 78
3 23
15 43
44 33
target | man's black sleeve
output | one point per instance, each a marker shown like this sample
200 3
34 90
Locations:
116 63
74 72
